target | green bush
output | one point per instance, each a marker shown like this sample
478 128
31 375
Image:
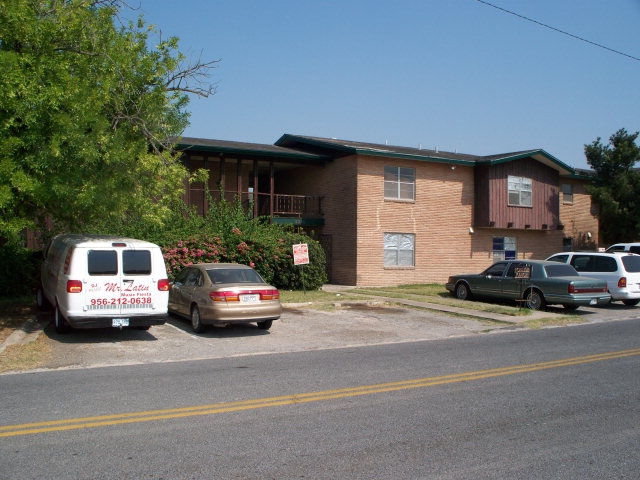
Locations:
227 233
270 255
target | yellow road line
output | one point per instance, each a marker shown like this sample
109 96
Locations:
225 407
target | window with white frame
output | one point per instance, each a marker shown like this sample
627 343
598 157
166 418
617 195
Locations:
520 191
567 193
399 183
399 249
504 248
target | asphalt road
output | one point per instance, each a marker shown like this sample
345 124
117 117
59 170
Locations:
536 404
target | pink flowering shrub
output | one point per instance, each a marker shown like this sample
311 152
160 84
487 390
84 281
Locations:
270 255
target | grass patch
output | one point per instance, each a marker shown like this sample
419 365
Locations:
555 321
439 295
25 356
318 296
15 312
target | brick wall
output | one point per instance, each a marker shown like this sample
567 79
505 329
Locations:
439 218
579 217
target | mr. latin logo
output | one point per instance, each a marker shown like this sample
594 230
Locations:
128 287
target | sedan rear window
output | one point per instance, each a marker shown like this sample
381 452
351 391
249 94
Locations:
560 270
234 275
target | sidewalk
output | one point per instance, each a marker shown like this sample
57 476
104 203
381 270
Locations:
468 312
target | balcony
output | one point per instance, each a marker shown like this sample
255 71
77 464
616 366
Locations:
302 210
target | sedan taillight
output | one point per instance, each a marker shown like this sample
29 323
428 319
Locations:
269 294
224 296
572 289
234 296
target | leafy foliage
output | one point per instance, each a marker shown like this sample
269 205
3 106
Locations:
616 186
228 234
85 111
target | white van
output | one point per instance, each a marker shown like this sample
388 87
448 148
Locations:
96 281
620 270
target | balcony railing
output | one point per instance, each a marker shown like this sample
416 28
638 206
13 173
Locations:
279 205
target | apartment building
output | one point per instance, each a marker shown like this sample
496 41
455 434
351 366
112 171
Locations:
389 215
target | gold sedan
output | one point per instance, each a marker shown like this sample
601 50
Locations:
221 294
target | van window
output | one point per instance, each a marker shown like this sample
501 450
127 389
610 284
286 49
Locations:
631 263
102 262
136 262
594 263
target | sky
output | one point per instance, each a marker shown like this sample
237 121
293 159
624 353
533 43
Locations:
454 75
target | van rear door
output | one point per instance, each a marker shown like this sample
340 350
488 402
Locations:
119 284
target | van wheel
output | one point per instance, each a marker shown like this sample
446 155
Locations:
41 301
60 323
266 325
196 321
631 303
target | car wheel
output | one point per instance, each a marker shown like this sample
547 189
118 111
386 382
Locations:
59 321
266 325
630 303
570 307
535 300
462 291
196 321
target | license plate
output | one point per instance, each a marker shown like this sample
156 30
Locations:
250 298
120 322
594 301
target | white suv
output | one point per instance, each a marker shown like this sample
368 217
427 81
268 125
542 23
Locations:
620 270
624 247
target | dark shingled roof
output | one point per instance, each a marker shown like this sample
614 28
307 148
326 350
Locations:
319 149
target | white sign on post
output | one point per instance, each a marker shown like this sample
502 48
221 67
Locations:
300 254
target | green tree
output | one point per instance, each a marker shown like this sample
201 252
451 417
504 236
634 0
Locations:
616 186
87 111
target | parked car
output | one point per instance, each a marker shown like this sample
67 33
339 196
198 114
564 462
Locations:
97 281
620 270
221 294
535 283
624 247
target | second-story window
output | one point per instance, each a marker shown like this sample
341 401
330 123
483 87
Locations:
520 191
399 183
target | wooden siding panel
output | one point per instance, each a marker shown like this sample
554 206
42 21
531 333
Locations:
544 209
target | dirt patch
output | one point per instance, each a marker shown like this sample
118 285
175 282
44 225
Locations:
13 318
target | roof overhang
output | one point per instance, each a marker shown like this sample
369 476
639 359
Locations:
538 155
